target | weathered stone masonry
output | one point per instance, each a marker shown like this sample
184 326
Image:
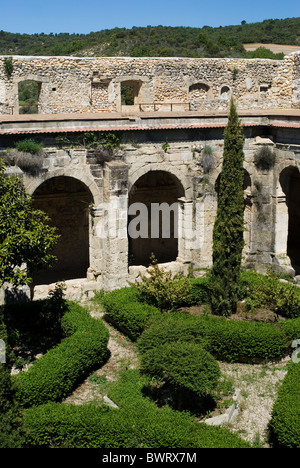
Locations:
69 85
89 196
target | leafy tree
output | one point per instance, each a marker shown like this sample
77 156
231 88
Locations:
228 230
25 236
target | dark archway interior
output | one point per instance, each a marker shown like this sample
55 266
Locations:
66 201
155 187
290 182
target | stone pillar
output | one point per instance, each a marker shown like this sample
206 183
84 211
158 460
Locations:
112 226
281 229
206 209
185 229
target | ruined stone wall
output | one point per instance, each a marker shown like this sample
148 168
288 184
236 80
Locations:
111 188
80 85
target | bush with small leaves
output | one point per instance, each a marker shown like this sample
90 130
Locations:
185 365
264 158
161 288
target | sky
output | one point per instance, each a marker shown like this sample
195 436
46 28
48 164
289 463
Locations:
84 16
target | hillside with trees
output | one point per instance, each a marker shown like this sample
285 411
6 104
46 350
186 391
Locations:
159 41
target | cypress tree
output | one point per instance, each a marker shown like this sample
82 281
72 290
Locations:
228 239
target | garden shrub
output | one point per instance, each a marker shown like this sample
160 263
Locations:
37 320
266 291
198 293
284 426
53 376
291 329
138 423
227 340
170 328
127 312
29 146
184 365
242 341
161 288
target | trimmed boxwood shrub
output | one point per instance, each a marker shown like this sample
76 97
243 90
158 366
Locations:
291 329
125 309
239 341
227 340
184 365
284 426
56 373
199 293
171 328
126 312
138 423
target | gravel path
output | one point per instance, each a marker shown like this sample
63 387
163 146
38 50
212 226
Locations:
259 386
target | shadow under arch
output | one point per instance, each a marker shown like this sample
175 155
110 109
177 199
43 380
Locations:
290 183
66 200
153 189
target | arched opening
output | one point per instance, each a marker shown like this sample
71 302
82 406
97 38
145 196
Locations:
29 94
66 200
290 183
198 93
153 218
225 92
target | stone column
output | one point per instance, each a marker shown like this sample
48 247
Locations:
113 227
187 235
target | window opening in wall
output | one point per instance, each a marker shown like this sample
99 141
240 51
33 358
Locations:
130 92
263 89
127 95
29 93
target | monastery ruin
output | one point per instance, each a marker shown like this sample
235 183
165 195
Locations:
169 115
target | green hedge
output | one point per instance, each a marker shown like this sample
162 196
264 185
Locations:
228 340
56 373
138 423
184 365
132 316
285 423
126 312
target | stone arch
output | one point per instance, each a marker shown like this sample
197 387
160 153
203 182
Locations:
67 202
85 179
289 179
225 92
246 186
153 217
197 93
178 176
